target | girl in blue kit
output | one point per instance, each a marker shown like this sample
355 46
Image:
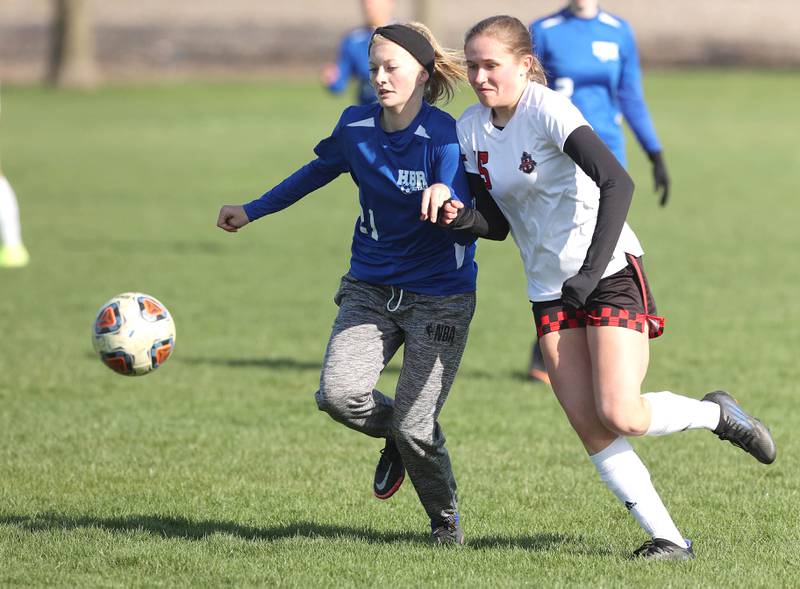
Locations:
410 281
590 57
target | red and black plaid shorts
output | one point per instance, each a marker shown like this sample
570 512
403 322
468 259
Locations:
620 300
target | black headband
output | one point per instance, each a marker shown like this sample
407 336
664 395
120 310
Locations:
412 41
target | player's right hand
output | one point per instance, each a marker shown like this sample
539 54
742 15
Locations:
449 211
232 218
433 197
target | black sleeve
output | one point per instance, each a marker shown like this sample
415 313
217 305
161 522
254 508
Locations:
616 192
486 219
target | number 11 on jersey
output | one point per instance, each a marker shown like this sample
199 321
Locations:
368 227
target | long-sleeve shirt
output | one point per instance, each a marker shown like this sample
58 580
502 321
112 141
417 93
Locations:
595 63
553 207
391 245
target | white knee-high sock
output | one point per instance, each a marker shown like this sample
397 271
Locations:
9 216
627 477
672 413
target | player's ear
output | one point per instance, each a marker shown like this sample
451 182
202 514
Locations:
424 76
525 65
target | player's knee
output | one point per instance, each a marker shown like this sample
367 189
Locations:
622 420
342 403
411 436
333 401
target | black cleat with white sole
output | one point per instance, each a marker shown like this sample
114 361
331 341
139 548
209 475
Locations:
742 430
390 472
661 549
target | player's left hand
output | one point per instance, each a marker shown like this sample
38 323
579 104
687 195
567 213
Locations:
576 289
660 176
449 211
433 197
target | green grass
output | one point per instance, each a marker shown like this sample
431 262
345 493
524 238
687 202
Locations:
219 470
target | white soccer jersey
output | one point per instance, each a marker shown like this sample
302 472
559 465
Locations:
550 203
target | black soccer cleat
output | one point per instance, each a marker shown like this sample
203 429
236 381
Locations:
389 473
742 430
661 549
447 531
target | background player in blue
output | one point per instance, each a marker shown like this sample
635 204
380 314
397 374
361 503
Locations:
590 56
410 283
353 59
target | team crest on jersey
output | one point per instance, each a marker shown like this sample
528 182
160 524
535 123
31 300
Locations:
605 51
409 181
527 164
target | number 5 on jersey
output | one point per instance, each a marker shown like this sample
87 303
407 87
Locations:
482 157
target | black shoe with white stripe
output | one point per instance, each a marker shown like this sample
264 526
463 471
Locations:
661 549
390 472
742 430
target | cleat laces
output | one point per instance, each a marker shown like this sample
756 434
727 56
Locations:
737 434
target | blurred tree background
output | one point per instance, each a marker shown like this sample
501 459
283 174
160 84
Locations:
73 62
75 42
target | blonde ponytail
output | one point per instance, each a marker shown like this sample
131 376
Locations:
448 68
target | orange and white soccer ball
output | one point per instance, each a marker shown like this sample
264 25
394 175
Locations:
133 333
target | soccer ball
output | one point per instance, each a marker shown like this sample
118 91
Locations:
133 333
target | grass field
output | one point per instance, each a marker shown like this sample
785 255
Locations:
219 470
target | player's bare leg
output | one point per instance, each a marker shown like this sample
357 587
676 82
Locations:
569 362
620 358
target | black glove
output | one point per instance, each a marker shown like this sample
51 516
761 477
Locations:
577 289
660 176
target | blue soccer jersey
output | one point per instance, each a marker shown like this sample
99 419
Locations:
353 62
596 64
391 245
